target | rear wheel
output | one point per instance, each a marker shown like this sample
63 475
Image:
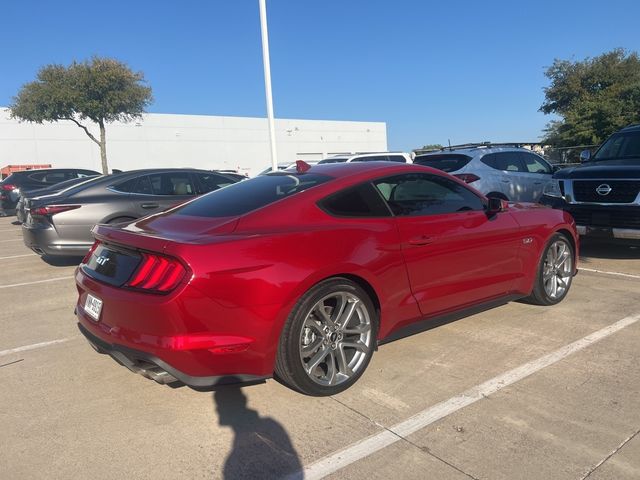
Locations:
555 272
328 339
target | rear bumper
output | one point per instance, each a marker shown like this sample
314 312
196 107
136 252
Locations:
182 336
45 241
152 367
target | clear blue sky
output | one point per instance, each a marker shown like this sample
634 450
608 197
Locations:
459 70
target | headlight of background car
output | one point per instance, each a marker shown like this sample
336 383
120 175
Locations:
552 189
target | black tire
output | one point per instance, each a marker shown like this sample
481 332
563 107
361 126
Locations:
290 367
499 195
539 295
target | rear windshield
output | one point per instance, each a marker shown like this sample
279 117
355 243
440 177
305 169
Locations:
447 162
243 197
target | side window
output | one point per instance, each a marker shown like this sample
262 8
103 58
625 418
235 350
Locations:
56 177
397 158
534 164
359 201
38 176
210 182
419 194
135 185
505 161
171 183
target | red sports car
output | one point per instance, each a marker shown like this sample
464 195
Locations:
302 274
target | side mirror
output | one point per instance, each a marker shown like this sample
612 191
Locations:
496 205
585 155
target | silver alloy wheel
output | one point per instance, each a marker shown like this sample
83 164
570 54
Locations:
335 339
558 269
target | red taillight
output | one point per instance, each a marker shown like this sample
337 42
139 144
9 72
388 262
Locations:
91 250
8 187
157 273
467 177
52 209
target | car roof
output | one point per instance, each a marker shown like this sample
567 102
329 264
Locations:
631 128
473 151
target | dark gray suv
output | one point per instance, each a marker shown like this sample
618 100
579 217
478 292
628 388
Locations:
61 224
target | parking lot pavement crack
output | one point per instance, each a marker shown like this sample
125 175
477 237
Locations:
404 439
605 459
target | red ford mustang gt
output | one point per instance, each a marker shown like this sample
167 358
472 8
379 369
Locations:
303 274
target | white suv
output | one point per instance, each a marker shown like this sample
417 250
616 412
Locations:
370 157
496 170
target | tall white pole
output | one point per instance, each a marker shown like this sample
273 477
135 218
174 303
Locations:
267 82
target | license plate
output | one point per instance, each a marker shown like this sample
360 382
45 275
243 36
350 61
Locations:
93 306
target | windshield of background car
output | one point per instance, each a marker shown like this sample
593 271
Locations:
620 145
244 197
448 162
333 160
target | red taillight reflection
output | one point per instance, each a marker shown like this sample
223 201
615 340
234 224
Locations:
8 187
157 273
467 177
52 209
90 252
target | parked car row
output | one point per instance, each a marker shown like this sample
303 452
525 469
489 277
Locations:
29 180
58 220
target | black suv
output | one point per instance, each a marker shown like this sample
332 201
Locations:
28 180
603 194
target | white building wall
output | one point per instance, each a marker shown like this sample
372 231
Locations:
165 140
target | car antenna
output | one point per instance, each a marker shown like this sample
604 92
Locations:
449 140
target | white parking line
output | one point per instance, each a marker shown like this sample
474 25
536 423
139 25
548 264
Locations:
376 442
33 346
34 282
19 256
12 240
619 274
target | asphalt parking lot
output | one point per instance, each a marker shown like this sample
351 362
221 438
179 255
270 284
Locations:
516 392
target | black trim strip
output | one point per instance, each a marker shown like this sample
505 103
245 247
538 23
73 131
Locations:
117 352
439 320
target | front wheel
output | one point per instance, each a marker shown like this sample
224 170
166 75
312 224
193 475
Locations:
555 272
328 339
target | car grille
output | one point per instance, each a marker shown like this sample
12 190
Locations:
622 191
607 217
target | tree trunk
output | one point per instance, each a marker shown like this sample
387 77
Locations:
103 148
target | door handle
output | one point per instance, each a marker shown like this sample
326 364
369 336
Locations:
538 183
420 240
149 205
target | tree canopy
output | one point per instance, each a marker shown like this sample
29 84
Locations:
593 98
101 90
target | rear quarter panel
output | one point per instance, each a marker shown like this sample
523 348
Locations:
266 269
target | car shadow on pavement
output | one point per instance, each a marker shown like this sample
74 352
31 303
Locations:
62 261
604 250
261 446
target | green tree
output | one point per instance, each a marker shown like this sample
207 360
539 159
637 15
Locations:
102 90
432 146
593 98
